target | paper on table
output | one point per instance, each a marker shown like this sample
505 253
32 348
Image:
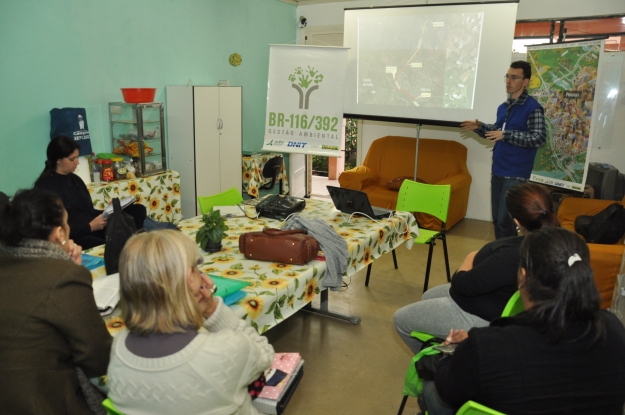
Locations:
125 202
230 211
106 293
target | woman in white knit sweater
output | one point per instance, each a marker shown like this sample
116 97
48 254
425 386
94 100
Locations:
184 351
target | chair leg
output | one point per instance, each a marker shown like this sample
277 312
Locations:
427 269
403 404
394 258
368 274
446 257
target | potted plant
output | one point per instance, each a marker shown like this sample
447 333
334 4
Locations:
212 232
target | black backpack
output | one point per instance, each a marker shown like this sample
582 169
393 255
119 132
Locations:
119 228
606 227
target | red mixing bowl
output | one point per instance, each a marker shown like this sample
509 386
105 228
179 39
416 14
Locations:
138 95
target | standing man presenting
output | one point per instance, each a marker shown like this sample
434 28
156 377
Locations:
517 133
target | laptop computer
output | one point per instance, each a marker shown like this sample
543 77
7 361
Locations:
354 201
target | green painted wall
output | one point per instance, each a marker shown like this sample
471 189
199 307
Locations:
78 53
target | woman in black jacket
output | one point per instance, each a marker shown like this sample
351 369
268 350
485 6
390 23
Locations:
563 355
58 176
485 280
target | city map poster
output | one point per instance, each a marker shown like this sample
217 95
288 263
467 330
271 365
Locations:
305 99
564 79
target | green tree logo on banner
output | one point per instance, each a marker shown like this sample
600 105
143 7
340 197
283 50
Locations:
301 80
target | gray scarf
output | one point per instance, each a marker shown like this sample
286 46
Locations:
39 248
35 248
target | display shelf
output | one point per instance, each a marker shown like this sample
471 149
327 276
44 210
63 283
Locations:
137 131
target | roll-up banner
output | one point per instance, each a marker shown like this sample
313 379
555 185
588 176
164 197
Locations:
305 97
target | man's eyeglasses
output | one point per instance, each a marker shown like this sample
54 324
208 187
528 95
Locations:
511 77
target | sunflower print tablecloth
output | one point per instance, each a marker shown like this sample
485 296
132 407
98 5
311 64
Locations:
253 174
277 291
160 194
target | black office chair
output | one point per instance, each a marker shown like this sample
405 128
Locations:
272 170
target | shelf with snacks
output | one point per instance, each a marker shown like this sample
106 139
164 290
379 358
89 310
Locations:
137 133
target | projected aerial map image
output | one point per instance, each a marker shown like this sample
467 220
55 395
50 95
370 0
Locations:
434 66
564 83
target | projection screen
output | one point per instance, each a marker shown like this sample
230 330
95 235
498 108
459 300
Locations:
429 64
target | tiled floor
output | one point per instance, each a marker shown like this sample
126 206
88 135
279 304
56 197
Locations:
359 369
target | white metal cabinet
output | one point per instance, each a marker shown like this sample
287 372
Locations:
204 138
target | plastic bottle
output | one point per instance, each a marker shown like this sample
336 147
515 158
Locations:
95 170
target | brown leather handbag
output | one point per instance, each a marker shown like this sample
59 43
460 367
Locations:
275 245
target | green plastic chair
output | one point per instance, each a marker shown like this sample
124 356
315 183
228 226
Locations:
433 200
474 408
110 408
230 197
413 384
514 305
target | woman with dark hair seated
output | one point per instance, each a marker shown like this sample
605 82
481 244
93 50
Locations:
184 351
485 280
563 355
51 333
58 176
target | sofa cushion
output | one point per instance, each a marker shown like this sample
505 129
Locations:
396 183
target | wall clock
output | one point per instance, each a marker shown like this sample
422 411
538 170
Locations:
235 59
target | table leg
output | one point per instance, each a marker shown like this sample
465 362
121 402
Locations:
323 310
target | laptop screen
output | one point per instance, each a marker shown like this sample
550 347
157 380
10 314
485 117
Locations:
350 201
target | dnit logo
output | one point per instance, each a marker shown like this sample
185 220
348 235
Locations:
298 144
304 78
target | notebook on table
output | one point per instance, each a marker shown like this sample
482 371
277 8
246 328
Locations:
354 201
227 286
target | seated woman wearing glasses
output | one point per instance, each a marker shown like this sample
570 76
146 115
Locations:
485 280
184 351
563 355
51 334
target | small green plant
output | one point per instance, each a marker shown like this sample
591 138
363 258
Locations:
213 229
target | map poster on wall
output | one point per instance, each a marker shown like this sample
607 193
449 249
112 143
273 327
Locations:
564 78
305 99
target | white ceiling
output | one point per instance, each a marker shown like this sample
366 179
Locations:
309 2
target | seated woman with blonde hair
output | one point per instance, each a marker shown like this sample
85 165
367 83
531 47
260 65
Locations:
184 351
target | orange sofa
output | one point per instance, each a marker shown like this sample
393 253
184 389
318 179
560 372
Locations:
440 162
605 260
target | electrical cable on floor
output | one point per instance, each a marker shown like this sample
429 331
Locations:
345 285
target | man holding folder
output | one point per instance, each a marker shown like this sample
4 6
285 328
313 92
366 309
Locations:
517 133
